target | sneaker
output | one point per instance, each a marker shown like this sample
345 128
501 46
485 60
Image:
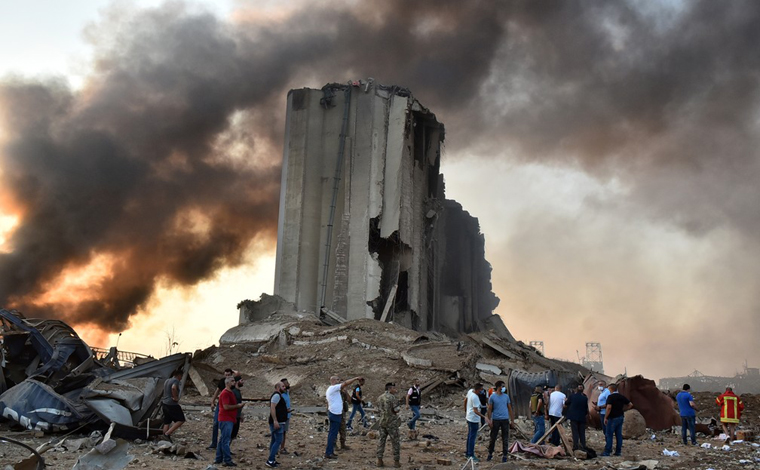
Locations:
349 427
217 462
331 456
490 456
604 454
165 438
475 459
284 452
229 464
504 459
271 464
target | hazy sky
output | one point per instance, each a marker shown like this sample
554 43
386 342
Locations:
607 148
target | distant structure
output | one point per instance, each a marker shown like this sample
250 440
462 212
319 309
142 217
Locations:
593 359
747 381
539 345
365 230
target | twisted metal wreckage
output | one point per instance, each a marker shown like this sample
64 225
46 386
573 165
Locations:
51 380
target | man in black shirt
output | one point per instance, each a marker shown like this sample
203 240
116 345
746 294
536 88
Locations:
617 405
357 400
577 409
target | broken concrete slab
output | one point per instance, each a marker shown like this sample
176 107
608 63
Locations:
117 459
490 368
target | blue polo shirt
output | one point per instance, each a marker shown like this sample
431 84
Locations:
499 403
684 407
286 397
602 400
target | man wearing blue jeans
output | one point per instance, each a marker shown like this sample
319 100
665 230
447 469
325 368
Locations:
334 411
617 405
473 416
413 403
228 407
688 412
601 402
538 412
215 407
357 402
278 416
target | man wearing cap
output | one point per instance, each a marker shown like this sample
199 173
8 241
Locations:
389 422
335 411
731 408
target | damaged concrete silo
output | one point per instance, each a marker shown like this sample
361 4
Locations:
364 229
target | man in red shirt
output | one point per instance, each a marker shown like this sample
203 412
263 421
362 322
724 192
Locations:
731 408
228 407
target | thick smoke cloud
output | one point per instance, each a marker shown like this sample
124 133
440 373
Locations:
168 159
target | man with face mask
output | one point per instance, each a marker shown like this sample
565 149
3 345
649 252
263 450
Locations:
286 426
601 403
499 411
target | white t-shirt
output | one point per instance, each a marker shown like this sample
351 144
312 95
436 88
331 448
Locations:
473 403
334 400
556 403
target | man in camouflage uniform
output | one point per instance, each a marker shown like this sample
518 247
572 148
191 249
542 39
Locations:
346 400
389 423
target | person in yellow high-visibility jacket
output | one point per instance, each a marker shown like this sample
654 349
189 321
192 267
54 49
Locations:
731 408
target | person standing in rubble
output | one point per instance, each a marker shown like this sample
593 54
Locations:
413 403
334 411
228 407
577 411
388 407
556 405
286 396
278 416
688 411
731 408
483 397
537 412
357 401
617 405
499 412
215 407
173 415
473 417
343 429
239 397
601 403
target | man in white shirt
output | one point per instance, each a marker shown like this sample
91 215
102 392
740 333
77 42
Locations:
556 404
335 411
472 407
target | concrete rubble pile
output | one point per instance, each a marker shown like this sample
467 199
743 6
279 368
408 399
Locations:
275 340
52 381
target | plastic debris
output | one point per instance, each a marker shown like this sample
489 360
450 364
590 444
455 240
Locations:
726 447
671 453
706 445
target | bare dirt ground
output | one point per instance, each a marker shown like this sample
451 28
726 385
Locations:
446 441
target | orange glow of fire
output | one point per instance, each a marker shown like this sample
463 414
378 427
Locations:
78 283
93 335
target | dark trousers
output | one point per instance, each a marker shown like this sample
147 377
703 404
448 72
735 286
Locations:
689 422
578 429
332 434
472 435
503 426
215 429
235 428
554 439
614 428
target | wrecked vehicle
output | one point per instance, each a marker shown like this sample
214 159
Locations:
51 380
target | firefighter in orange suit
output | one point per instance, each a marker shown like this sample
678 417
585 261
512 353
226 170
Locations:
731 408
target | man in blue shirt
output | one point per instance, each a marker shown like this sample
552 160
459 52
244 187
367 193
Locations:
688 412
286 425
499 411
601 403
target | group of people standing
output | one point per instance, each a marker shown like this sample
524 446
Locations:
731 408
553 405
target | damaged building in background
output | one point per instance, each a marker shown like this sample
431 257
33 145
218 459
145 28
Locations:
365 230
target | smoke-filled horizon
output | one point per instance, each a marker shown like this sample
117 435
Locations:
164 167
